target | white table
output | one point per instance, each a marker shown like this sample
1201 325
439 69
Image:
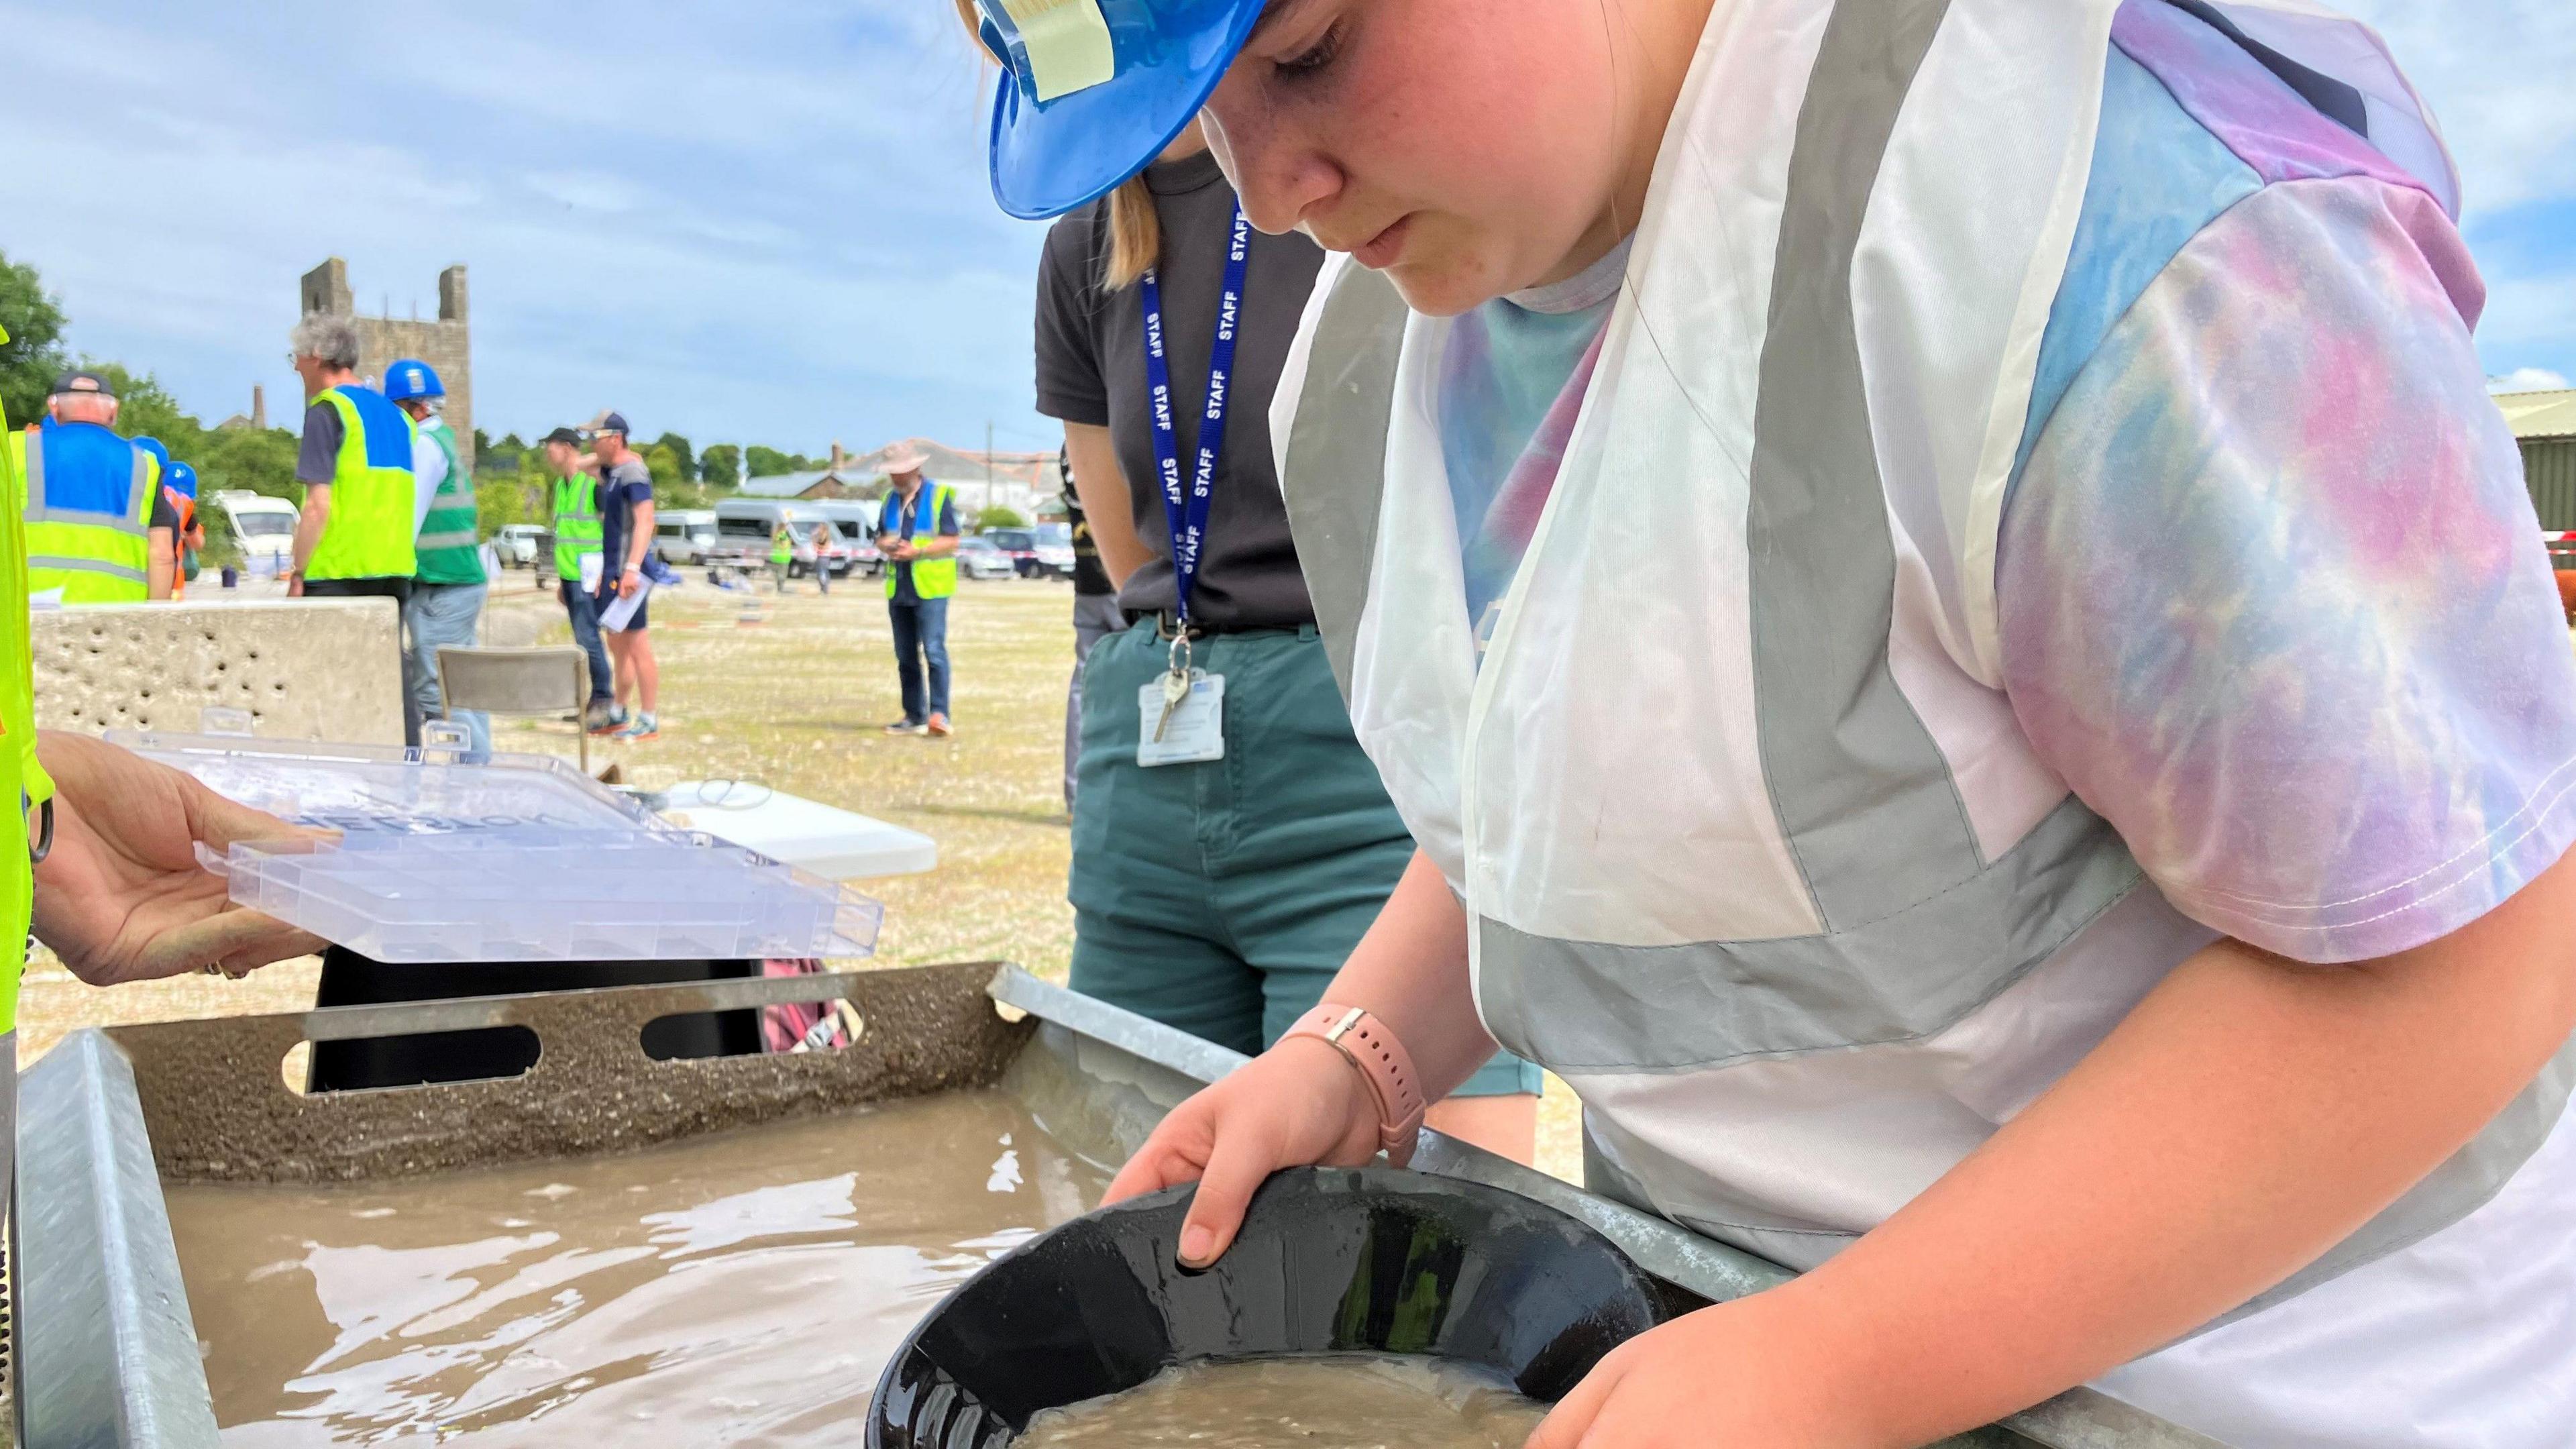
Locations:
831 842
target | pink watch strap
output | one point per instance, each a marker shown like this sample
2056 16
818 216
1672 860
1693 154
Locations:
1383 1063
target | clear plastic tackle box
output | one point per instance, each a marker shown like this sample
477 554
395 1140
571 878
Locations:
433 858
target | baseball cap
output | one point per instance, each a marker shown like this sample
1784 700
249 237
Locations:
574 436
1092 90
612 423
82 380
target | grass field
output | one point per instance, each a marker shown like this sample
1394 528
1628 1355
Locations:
797 701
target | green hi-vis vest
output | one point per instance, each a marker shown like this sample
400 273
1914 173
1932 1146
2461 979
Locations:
22 778
577 527
932 578
370 531
94 558
451 537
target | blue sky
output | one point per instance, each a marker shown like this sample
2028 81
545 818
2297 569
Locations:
761 222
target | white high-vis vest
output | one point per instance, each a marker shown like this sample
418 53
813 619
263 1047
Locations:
1754 851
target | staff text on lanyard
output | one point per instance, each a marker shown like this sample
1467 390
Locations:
1190 698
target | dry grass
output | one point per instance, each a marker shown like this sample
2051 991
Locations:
796 701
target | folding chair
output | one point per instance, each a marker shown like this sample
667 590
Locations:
517 681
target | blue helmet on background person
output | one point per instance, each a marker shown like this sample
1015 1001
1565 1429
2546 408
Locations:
411 378
182 478
1092 90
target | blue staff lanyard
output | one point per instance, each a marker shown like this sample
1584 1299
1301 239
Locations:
1186 508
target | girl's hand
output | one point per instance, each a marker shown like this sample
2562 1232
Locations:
1297 1105
1736 1376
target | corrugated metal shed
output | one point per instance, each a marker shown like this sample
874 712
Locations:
2545 424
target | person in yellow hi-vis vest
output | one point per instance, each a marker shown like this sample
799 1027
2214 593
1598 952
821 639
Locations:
102 863
918 534
355 538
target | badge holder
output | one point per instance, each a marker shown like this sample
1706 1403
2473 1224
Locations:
1181 716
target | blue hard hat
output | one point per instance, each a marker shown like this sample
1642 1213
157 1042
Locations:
411 378
160 454
181 477
1093 90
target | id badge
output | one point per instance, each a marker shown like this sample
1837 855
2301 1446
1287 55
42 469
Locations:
1195 733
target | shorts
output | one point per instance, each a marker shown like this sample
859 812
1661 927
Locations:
643 614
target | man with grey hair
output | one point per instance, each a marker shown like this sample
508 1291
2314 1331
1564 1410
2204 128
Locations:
355 537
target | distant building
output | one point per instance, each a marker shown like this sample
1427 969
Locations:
1028 483
257 418
2544 423
1024 483
445 344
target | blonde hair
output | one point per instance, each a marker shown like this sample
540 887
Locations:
1135 227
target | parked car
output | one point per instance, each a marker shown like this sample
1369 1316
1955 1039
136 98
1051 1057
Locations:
980 558
1055 550
265 527
520 545
685 535
1021 545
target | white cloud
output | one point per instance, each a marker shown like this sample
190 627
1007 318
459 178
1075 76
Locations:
2527 379
767 223
2496 73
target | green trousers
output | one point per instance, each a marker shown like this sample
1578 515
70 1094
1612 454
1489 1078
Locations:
1221 898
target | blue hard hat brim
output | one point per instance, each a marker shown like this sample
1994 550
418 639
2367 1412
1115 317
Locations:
1051 157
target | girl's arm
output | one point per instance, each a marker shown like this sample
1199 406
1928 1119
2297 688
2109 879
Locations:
2249 1114
1107 506
1302 1102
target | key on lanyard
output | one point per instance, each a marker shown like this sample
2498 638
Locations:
1176 686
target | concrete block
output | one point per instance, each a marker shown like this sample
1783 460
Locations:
305 669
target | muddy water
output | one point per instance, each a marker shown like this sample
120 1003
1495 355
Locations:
738 1290
1300 1403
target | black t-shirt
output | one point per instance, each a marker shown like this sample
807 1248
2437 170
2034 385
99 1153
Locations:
1091 369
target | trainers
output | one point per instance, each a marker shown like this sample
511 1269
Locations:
939 726
907 727
646 727
607 721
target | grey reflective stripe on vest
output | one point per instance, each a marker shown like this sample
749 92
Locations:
1335 480
132 517
85 566
466 539
1581 1006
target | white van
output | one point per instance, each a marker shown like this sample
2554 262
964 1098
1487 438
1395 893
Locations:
744 526
684 536
266 528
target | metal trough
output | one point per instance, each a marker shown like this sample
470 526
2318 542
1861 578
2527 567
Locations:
108 1355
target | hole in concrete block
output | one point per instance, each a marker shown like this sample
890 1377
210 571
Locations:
827 1026
484 1054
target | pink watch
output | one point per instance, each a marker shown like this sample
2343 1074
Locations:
1383 1063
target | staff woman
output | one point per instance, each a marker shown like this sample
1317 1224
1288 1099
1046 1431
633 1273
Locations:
1229 851
1937 583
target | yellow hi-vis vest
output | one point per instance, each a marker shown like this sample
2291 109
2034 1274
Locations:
932 578
578 529
94 558
22 778
370 532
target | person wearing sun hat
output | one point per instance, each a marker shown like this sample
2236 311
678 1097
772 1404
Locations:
917 532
